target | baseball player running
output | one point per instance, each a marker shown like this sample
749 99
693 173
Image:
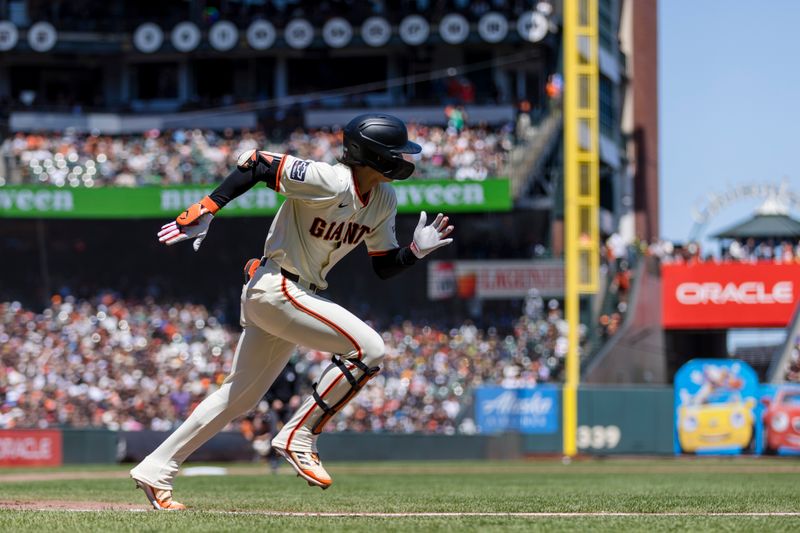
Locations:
329 210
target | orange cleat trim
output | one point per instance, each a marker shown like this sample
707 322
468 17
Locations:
158 503
308 475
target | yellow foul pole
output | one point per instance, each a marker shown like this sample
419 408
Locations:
581 188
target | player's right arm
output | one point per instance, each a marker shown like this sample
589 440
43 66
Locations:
193 223
288 175
299 179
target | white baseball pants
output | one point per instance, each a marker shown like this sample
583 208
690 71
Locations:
277 315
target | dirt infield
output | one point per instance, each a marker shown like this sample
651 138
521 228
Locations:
60 476
66 505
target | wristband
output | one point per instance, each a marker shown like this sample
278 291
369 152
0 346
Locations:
209 204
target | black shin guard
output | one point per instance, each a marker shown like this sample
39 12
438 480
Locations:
356 384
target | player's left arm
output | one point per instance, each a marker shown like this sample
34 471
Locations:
389 259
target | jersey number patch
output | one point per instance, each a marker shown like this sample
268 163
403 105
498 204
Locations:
298 172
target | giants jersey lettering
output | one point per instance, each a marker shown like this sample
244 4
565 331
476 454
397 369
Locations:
325 216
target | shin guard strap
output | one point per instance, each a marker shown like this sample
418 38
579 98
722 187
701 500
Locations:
361 366
336 360
369 373
322 405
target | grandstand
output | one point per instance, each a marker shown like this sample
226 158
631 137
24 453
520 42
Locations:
107 362
201 157
106 122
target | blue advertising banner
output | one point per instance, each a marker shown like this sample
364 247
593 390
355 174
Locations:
532 410
716 408
781 416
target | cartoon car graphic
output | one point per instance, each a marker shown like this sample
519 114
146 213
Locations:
782 421
722 421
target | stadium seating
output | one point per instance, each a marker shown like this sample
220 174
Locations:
205 156
132 365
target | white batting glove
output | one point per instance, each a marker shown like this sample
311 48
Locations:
430 238
191 224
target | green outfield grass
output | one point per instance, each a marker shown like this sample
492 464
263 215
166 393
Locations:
692 489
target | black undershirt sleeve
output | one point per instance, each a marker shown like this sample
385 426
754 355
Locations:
393 262
260 167
236 184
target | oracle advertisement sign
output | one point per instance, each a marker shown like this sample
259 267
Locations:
35 447
500 279
729 295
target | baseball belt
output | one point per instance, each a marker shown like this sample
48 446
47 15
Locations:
252 265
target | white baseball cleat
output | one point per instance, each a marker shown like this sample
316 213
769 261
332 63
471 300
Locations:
160 499
308 466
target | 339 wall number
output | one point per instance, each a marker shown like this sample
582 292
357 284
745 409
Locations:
598 437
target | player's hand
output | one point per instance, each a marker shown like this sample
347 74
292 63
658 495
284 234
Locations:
191 224
429 238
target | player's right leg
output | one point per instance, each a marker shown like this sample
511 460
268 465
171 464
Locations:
259 358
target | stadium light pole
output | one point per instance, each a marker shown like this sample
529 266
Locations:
581 188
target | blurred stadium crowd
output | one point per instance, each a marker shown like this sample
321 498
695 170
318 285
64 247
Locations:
204 156
132 365
736 250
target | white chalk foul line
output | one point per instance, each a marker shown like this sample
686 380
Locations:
299 514
492 514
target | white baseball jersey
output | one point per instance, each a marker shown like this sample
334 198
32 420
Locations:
325 217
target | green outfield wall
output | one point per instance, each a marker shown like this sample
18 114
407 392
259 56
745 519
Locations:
625 420
492 195
347 446
619 420
89 446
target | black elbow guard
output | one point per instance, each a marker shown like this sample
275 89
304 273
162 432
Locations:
263 166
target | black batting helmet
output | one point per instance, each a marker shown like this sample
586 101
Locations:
379 141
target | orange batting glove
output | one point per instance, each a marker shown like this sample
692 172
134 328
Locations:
191 224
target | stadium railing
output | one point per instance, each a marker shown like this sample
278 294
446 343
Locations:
633 354
527 157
